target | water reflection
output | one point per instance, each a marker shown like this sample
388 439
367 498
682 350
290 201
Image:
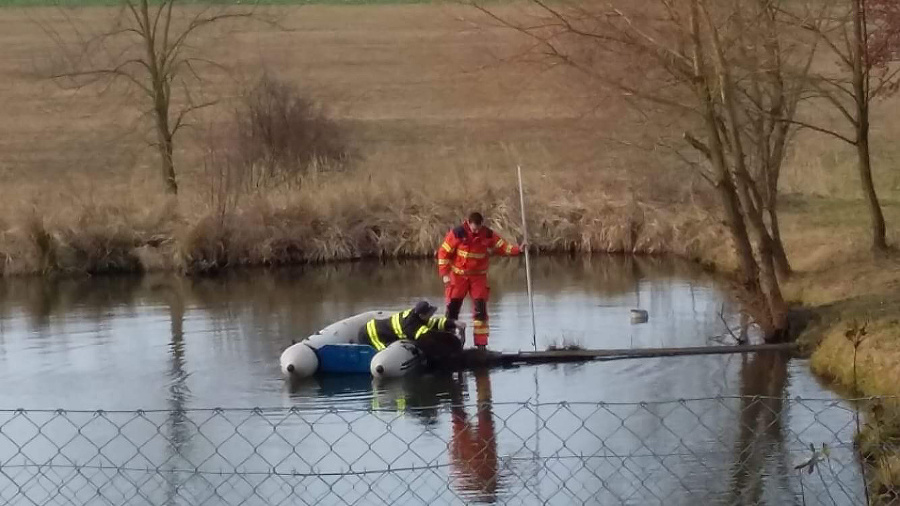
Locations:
760 453
178 429
473 445
756 471
339 288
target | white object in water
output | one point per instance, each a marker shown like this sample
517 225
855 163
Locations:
398 359
639 316
300 361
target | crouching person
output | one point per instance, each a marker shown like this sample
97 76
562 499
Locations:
438 338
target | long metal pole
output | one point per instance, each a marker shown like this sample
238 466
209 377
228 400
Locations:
527 259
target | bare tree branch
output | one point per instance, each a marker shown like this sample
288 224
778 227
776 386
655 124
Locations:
170 51
816 29
179 121
553 51
682 62
819 129
889 80
159 58
117 71
835 102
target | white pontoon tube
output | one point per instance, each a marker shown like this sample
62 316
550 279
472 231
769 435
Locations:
299 360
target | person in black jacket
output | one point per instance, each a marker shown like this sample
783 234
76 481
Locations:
415 324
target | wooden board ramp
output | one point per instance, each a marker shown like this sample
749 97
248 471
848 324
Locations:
474 357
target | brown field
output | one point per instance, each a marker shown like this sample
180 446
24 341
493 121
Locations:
438 115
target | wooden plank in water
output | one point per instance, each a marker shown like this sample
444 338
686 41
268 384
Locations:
476 357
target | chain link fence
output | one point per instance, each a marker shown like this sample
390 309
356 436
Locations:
723 450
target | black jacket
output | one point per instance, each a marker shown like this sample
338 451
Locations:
404 325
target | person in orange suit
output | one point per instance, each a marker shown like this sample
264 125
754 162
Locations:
473 448
463 260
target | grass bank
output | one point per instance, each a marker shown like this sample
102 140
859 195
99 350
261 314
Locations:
846 290
344 216
870 370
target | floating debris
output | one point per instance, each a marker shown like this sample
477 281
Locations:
639 316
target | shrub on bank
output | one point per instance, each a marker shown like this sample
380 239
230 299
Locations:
874 373
333 221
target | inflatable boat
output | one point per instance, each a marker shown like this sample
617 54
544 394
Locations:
334 349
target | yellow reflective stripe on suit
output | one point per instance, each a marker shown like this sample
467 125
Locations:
373 336
447 247
439 322
463 272
395 324
468 254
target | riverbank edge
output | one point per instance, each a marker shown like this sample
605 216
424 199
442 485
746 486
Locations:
852 338
108 241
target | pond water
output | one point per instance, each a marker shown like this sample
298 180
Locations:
722 429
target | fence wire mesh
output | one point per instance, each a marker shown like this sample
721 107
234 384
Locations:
722 450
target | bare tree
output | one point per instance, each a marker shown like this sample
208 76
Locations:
774 66
734 75
864 36
148 47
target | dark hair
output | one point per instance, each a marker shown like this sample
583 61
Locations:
476 218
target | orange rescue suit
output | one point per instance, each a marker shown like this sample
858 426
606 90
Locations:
464 256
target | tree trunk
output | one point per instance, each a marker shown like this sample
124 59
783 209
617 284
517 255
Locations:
865 175
777 132
782 264
774 321
164 135
773 174
160 89
861 69
165 144
749 270
751 204
725 185
168 164
768 279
